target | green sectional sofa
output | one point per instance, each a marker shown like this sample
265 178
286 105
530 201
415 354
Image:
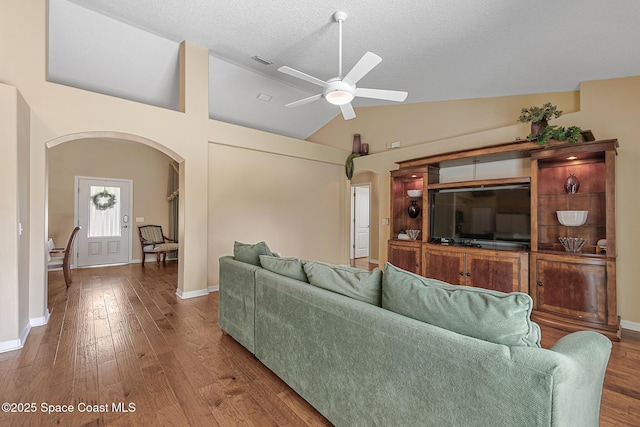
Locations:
360 362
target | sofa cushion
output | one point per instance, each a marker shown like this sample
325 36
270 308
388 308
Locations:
250 253
480 313
290 267
356 283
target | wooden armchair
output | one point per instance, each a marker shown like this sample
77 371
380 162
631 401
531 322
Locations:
61 257
154 241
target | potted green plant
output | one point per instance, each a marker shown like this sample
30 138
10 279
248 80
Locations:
539 116
541 131
571 134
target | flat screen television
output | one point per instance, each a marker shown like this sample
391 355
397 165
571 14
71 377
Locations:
493 217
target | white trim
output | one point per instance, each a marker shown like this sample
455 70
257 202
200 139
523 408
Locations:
16 344
191 294
10 345
25 333
101 265
213 288
633 326
40 321
374 261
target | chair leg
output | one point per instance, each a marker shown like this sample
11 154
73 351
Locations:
158 258
67 276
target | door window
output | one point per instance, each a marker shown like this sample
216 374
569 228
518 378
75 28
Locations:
104 212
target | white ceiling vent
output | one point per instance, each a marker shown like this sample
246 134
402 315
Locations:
264 97
261 60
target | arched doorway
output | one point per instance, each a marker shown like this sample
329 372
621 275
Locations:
114 155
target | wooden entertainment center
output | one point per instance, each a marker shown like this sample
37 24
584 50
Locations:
570 290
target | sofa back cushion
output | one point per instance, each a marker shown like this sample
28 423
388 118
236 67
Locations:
356 283
480 313
250 253
290 267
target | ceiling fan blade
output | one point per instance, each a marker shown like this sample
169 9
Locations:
387 95
347 111
367 63
304 101
299 74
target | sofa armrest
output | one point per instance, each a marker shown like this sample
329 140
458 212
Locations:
237 300
589 349
578 384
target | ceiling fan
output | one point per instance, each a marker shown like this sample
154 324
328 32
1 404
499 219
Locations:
341 90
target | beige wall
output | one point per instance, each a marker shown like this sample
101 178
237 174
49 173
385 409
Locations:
611 109
295 205
14 213
418 123
148 168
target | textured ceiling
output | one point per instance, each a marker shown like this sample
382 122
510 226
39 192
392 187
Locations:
435 50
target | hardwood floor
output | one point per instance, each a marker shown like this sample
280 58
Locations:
363 263
120 336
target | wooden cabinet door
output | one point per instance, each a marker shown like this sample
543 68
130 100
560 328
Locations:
448 266
571 287
499 273
406 257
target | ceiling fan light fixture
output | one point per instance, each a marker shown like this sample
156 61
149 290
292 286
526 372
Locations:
339 97
339 92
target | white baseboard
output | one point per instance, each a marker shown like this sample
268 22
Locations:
10 345
40 321
148 260
374 261
25 333
633 326
191 294
213 288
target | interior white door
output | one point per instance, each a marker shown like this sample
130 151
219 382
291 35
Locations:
361 222
104 212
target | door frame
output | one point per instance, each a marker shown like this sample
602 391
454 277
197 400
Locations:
352 222
77 179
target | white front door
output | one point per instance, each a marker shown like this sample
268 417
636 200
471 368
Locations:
103 210
361 221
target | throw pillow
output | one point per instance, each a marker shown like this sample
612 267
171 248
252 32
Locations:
250 253
290 267
356 283
480 313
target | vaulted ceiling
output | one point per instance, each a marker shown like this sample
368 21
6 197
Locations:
436 50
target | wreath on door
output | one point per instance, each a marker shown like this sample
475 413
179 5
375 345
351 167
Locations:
103 200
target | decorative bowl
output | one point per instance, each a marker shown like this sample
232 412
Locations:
572 218
414 193
413 234
572 244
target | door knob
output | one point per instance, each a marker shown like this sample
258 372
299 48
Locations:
125 226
